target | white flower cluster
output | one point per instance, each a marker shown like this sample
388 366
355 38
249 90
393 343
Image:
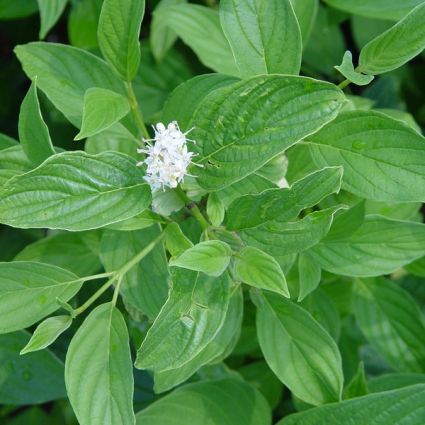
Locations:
167 158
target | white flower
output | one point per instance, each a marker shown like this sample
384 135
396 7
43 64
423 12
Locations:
167 158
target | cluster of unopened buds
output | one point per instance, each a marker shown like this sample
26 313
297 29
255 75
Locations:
167 156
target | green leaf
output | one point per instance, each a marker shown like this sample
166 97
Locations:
216 350
309 275
379 246
380 9
184 100
32 379
175 240
283 204
215 209
50 12
288 335
76 252
17 8
264 36
64 73
358 384
273 113
219 402
145 286
102 108
161 37
394 381
33 131
69 189
306 13
29 291
47 332
98 370
209 257
118 35
348 71
282 239
6 141
417 267
404 407
392 322
258 269
199 27
13 161
379 156
187 323
396 46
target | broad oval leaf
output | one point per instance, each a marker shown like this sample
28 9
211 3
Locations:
254 120
199 27
383 159
258 269
145 286
298 349
401 407
380 9
264 36
379 246
118 35
209 257
75 191
225 401
396 46
13 161
98 370
392 322
283 204
46 333
64 73
32 379
188 322
28 292
33 132
50 12
102 108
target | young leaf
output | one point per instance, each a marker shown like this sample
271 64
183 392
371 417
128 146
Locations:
50 12
379 246
392 322
64 74
28 292
33 132
396 46
118 35
380 156
145 286
176 241
288 335
225 401
199 27
98 370
403 406
69 189
187 323
348 71
283 204
274 112
47 332
217 349
264 36
379 9
209 257
32 379
76 252
215 209
258 269
102 108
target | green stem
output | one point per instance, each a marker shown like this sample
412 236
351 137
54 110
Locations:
118 276
136 111
117 290
344 84
192 208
